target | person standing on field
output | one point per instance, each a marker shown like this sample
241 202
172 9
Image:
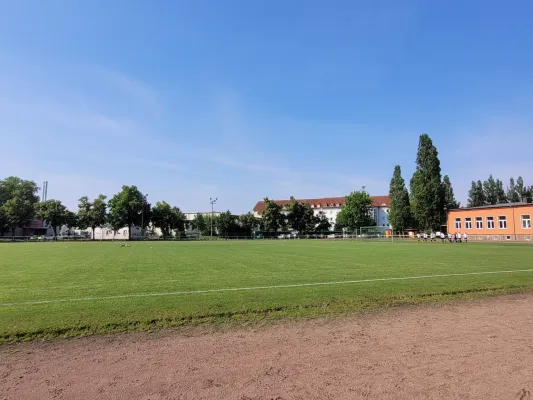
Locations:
465 237
442 237
458 238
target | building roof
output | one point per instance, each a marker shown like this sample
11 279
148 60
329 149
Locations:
325 202
502 205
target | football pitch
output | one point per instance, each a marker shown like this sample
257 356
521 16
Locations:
68 289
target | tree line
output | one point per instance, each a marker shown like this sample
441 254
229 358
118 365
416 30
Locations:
492 192
300 217
423 207
431 195
19 205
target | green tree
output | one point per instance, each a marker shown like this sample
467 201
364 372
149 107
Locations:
71 221
490 191
248 222
476 195
512 193
53 212
300 216
99 212
322 223
427 192
520 188
273 219
400 209
502 196
199 224
449 197
115 221
356 211
18 198
130 205
211 221
94 214
167 218
226 223
84 208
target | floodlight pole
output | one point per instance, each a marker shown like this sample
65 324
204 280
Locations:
212 201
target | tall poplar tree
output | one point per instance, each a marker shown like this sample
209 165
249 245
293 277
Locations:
512 194
476 195
449 196
490 191
502 196
427 191
400 209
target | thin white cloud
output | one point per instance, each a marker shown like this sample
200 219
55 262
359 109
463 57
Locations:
108 139
170 166
139 91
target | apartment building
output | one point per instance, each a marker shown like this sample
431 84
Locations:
331 206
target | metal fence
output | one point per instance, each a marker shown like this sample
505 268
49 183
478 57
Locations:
361 237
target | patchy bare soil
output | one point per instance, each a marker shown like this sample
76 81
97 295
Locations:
474 350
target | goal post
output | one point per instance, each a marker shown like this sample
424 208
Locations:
376 233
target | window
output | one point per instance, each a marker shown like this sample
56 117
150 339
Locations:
490 222
502 222
479 223
526 221
468 223
457 223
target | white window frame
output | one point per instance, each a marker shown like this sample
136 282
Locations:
457 223
502 218
522 220
490 221
468 223
479 222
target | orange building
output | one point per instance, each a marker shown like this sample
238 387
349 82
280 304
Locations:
496 222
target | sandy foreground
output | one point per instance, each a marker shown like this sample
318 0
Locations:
474 350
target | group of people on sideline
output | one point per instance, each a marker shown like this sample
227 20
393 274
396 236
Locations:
452 238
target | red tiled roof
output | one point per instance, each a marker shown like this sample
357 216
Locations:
377 201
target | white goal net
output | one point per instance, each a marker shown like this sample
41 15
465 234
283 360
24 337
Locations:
376 233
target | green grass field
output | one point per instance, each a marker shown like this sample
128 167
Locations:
72 271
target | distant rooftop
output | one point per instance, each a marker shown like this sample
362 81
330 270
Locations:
502 205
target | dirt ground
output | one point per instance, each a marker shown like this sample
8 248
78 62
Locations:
476 350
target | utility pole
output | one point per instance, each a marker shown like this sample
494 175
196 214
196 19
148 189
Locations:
212 201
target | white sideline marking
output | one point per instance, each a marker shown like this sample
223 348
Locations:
127 296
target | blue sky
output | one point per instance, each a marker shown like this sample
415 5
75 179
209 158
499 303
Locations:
244 99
